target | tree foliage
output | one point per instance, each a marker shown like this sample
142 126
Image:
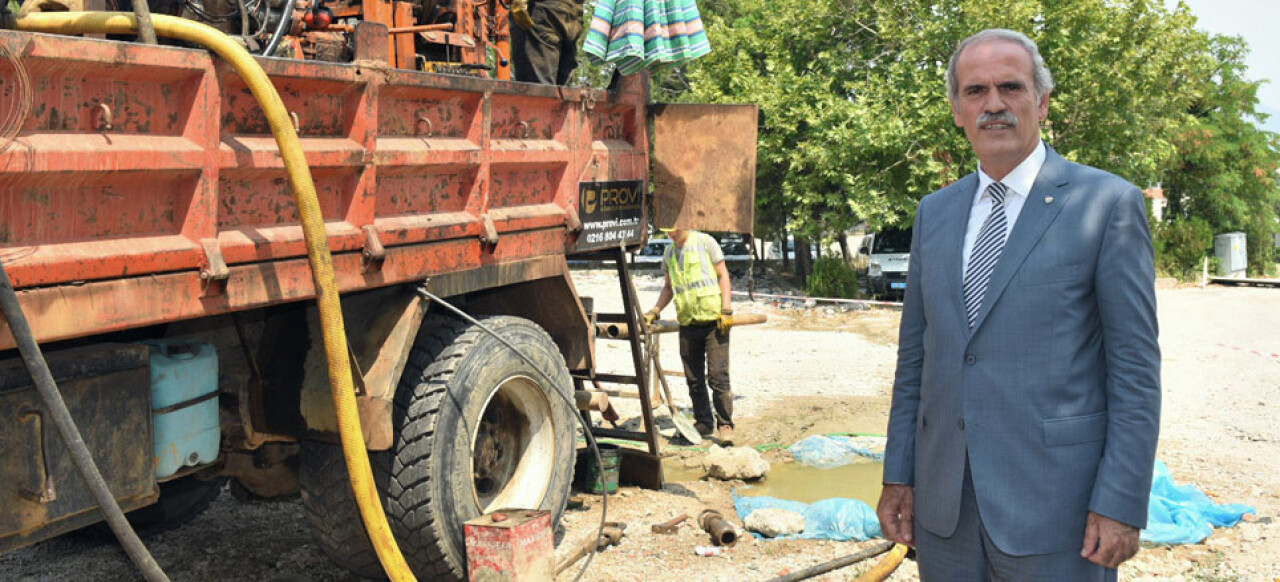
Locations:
857 125
1225 172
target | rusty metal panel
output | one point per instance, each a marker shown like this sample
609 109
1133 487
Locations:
108 391
704 166
380 346
107 224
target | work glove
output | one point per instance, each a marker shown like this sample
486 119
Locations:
726 321
650 316
520 14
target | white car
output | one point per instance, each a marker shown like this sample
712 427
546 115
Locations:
736 254
650 255
889 253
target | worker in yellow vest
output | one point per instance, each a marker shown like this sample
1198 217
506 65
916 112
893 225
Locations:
696 277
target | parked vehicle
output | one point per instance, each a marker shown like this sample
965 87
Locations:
650 255
149 229
737 256
888 254
773 250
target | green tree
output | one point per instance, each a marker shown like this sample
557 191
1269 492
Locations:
857 124
1224 174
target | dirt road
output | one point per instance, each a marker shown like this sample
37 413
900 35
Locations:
811 371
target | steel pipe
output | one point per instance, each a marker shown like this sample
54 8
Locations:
597 401
447 26
670 526
623 331
838 563
722 532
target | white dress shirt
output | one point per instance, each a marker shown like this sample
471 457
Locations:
1018 182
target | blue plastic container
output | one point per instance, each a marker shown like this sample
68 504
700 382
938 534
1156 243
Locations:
184 405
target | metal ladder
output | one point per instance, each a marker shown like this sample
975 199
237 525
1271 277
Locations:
639 468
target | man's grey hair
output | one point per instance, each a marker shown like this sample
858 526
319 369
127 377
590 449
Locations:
1043 79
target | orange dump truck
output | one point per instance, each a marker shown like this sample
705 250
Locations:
150 232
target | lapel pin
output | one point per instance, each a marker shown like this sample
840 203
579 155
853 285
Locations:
1048 199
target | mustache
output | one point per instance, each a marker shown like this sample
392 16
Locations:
998 117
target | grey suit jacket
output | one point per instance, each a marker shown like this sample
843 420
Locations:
1055 392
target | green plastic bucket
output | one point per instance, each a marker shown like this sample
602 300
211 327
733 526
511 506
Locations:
611 457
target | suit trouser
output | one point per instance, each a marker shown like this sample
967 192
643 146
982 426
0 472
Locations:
704 349
969 555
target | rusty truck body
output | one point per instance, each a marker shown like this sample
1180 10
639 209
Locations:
144 214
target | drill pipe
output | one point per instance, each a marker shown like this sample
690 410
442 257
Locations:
722 532
623 331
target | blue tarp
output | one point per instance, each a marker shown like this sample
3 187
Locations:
1182 514
1176 514
826 452
829 519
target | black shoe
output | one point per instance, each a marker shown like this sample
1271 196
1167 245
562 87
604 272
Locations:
703 430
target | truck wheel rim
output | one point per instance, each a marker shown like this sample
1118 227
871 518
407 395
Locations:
513 447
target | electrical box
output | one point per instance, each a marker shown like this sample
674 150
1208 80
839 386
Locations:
1233 258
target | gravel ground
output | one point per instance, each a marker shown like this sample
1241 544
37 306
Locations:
814 370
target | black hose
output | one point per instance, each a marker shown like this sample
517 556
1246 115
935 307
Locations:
39 370
146 29
591 439
286 16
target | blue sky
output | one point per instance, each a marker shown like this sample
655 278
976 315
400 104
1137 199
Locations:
1258 22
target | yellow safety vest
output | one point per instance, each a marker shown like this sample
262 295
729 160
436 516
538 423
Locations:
694 283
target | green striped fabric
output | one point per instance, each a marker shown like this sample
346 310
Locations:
645 34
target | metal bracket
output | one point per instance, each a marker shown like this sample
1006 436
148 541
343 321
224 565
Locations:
215 275
571 220
105 118
490 234
374 253
46 492
589 98
422 124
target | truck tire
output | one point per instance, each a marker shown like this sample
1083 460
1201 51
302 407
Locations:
477 429
331 508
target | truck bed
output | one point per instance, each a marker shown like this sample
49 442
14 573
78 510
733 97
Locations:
145 186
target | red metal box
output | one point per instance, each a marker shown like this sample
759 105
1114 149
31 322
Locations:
511 546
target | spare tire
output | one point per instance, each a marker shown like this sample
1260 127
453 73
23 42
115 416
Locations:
477 429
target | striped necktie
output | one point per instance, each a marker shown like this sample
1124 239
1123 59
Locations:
986 251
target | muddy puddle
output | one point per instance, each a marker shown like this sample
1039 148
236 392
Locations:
796 482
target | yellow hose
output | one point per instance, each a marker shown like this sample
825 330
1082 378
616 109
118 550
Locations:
885 566
304 192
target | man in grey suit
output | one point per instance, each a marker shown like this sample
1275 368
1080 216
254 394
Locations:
1026 405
